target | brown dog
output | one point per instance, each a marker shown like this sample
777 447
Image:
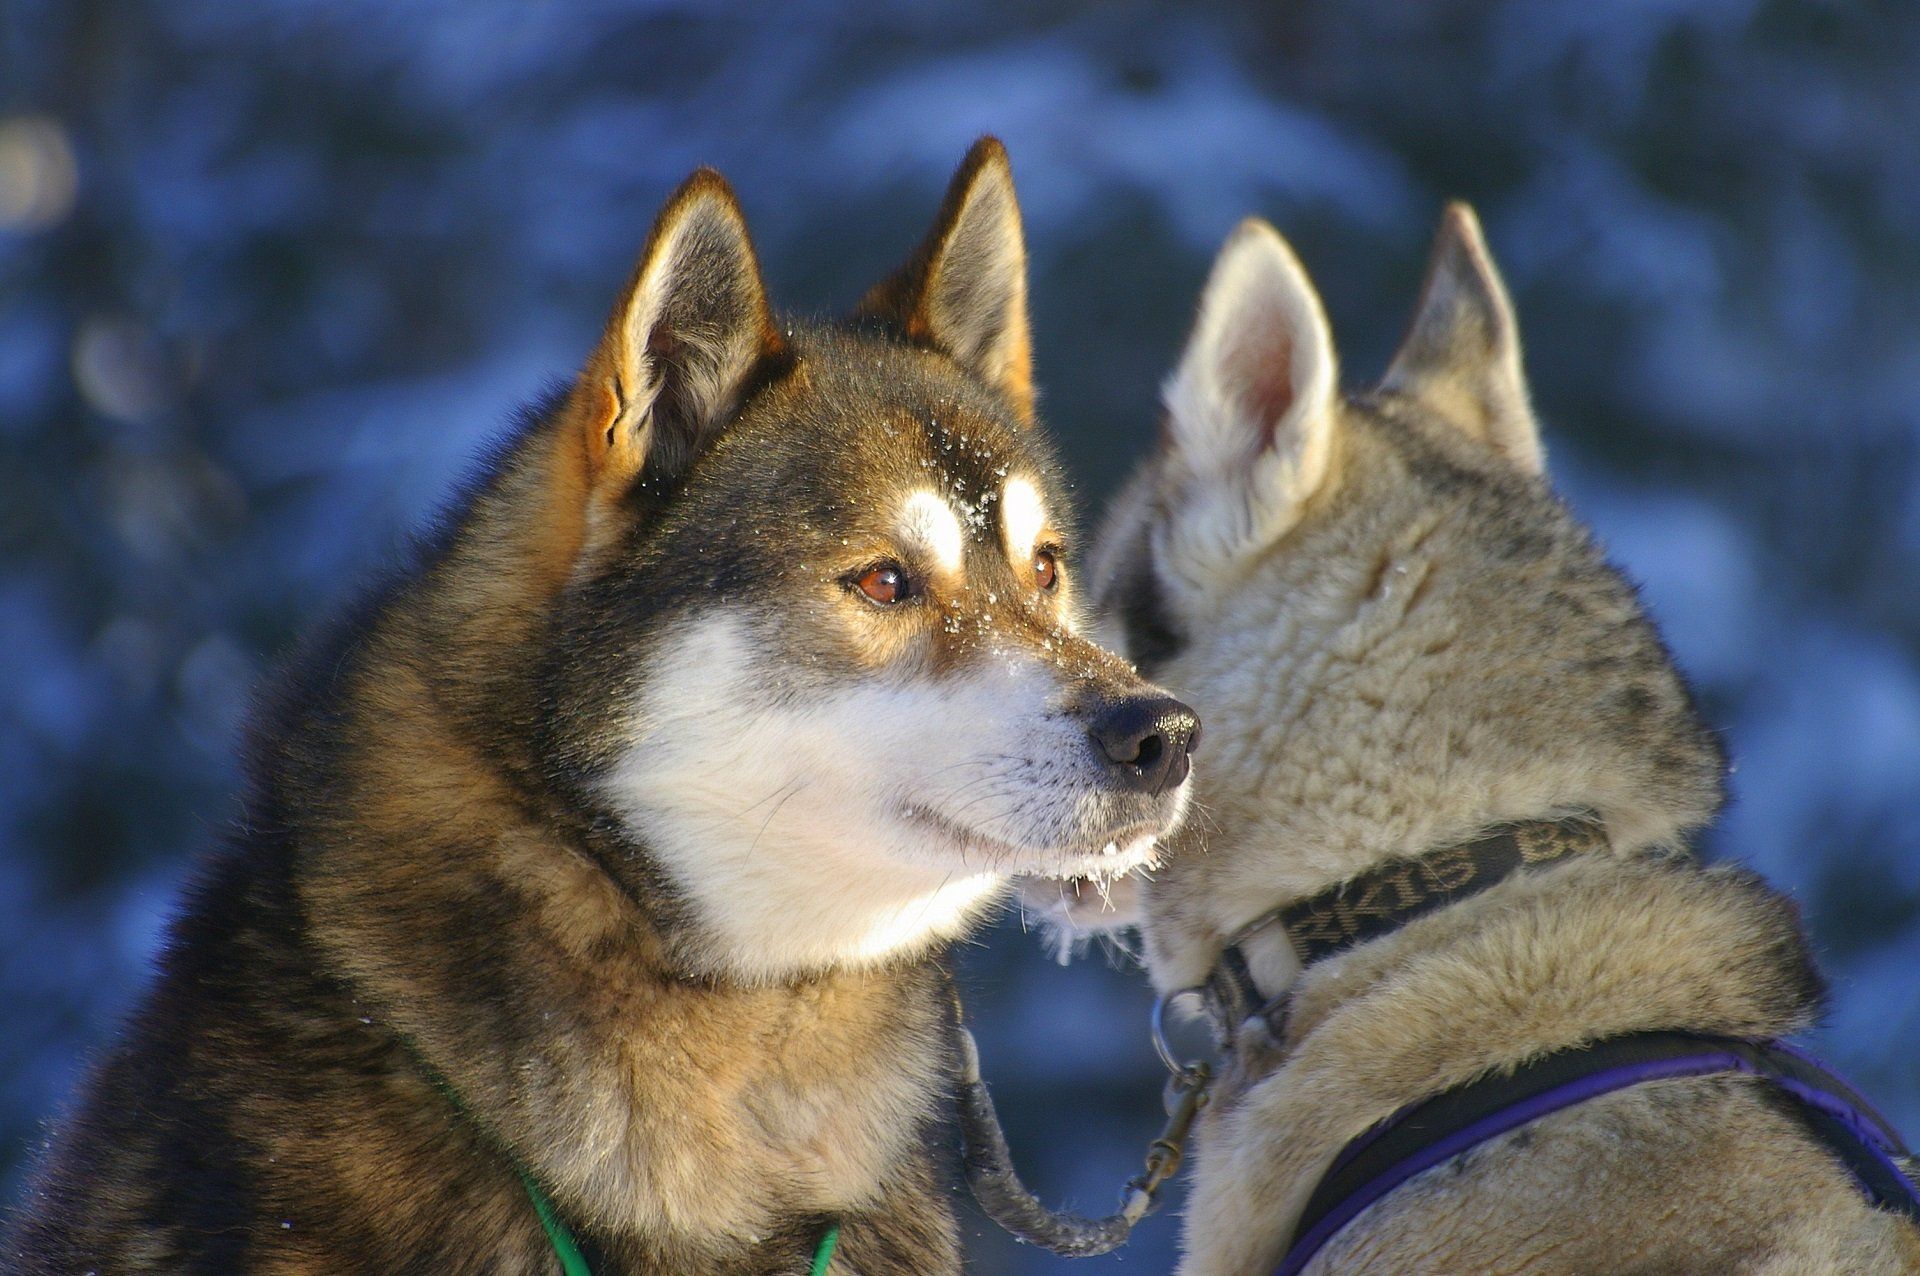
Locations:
605 859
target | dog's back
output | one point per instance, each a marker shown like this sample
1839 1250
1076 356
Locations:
1680 1176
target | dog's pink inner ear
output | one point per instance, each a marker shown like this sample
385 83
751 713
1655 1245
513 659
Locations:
1251 411
1258 373
1261 364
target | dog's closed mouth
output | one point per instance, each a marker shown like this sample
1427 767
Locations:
1130 848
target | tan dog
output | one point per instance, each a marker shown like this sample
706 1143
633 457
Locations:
1399 639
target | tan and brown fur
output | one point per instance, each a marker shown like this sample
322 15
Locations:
1399 638
445 865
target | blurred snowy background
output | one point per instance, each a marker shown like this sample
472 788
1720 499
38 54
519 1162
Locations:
272 272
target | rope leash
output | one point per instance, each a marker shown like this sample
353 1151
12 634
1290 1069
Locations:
1007 1201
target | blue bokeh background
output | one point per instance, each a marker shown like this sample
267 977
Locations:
271 273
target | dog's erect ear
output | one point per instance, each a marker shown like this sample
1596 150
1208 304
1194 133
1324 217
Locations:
681 344
1462 355
1250 410
965 290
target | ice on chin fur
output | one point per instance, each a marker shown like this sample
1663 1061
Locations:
860 822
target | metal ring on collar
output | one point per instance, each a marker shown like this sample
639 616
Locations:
1164 1048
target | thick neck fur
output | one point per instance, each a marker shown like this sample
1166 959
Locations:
1587 949
1436 647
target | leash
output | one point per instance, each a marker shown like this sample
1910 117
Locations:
995 1184
1361 908
1432 1131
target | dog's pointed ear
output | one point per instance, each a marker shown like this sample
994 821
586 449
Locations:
1462 354
1251 408
965 290
689 332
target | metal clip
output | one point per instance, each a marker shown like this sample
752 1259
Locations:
1005 1200
1187 1084
1161 1045
1187 1092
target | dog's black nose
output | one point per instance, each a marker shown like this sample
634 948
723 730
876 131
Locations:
1146 740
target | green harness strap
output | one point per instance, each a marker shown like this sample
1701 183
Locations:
559 1235
573 1263
823 1256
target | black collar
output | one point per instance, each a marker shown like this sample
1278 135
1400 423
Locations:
1385 898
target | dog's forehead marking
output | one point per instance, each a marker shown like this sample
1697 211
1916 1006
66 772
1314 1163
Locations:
931 525
1023 516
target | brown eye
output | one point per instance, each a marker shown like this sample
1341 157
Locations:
1046 571
885 584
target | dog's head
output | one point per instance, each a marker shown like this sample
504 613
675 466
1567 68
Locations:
819 655
1395 630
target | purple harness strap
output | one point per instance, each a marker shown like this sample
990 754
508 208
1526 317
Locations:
1425 1134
